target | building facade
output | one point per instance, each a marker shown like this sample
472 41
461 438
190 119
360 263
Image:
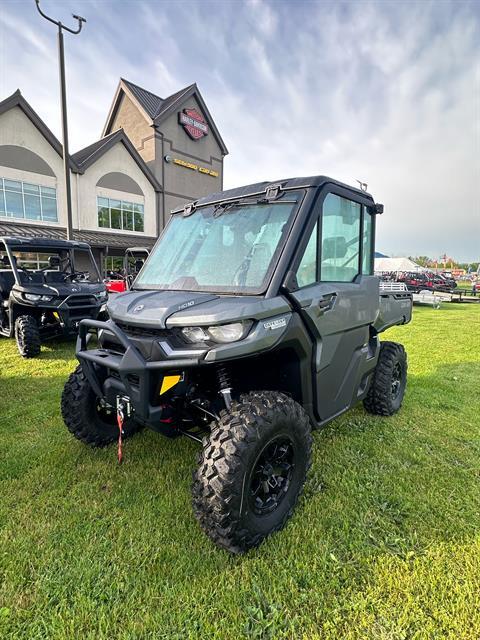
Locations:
154 155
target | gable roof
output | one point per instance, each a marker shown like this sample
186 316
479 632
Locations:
156 109
88 155
149 101
17 100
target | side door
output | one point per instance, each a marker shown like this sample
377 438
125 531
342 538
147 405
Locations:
338 297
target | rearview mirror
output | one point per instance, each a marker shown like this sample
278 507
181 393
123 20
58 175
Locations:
335 247
54 261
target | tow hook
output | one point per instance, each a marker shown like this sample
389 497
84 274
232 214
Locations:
124 408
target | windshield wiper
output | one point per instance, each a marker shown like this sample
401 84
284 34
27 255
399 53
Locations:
222 207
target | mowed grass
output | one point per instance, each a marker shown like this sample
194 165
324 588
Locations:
384 544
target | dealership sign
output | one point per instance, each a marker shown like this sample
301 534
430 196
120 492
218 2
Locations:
194 123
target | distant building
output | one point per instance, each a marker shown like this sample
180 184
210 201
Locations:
154 155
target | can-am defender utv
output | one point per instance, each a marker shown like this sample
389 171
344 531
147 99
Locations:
255 319
41 302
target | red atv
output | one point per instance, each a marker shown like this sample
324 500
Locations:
133 261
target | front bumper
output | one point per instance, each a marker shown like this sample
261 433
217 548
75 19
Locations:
133 375
131 368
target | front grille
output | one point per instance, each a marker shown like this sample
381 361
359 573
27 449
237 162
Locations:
81 301
144 332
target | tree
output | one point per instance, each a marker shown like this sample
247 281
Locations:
423 261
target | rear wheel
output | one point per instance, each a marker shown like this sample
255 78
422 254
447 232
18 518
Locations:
252 470
87 417
27 335
385 395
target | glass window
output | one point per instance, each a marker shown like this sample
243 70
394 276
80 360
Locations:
103 217
367 243
115 218
49 209
307 269
118 214
47 191
25 200
340 239
139 222
14 203
32 207
13 185
31 188
128 220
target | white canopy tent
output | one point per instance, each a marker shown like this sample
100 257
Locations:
396 264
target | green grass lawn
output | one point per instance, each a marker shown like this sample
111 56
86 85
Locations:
384 544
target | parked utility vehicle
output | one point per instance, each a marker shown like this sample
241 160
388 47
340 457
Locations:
255 319
46 287
133 261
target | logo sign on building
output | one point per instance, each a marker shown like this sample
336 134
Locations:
194 123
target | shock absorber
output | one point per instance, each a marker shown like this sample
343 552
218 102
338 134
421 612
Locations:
224 382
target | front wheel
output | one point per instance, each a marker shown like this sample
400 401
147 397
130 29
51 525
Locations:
87 417
385 395
252 469
27 335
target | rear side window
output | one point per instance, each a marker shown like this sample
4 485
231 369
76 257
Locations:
367 263
340 251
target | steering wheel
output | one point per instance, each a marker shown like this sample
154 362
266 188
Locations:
74 274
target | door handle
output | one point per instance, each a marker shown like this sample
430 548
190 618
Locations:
325 303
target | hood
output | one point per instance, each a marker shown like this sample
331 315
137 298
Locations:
62 289
152 308
183 308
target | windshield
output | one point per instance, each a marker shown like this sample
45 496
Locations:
226 248
52 266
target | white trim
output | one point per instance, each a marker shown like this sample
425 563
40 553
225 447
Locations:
34 223
28 176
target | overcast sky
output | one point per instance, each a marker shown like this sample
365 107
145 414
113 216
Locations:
385 92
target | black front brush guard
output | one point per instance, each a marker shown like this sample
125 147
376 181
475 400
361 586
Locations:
138 376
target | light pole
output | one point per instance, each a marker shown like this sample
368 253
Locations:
63 95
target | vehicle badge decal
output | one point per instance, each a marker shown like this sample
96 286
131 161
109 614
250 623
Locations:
185 305
278 323
138 308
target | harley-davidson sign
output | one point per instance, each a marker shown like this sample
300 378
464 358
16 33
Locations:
194 123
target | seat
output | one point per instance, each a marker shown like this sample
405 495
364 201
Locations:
7 280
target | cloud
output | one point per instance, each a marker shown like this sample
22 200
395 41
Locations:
388 93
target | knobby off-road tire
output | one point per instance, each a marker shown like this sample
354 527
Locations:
84 416
231 484
27 335
385 395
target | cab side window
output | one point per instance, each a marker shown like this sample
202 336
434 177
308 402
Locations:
307 269
340 251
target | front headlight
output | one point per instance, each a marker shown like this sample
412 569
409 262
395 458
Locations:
101 296
223 333
36 297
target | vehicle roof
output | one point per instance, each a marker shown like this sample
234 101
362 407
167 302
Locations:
47 243
260 187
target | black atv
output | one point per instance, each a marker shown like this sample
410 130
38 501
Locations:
46 287
255 319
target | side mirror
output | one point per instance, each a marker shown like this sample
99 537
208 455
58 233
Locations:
335 247
54 262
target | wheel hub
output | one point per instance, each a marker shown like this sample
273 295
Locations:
396 380
271 476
